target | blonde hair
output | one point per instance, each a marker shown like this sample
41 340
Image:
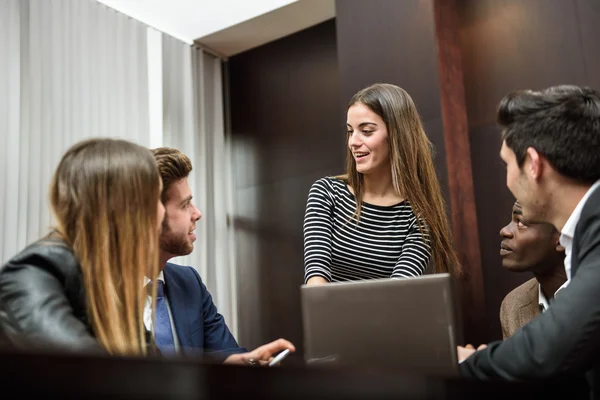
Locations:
413 172
104 195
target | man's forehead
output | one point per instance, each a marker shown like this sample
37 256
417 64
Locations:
179 190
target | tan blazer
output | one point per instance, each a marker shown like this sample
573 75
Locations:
519 307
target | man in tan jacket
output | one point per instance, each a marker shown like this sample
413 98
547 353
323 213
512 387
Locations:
533 248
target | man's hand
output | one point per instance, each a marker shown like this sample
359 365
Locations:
261 355
467 351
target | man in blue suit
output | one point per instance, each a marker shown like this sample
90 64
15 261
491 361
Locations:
187 321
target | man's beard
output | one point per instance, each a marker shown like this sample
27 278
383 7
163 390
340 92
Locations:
173 243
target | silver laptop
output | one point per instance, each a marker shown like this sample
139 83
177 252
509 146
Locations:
405 324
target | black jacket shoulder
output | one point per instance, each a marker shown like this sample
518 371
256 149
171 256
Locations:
42 299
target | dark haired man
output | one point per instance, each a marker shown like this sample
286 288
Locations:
551 148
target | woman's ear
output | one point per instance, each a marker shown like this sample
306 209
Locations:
559 248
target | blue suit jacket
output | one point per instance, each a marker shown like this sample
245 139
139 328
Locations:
199 326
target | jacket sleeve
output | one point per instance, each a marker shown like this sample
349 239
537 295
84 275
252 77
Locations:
35 311
563 340
219 343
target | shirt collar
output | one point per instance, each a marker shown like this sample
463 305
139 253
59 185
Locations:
569 229
543 301
161 277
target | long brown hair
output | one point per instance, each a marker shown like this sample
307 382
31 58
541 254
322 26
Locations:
104 195
413 172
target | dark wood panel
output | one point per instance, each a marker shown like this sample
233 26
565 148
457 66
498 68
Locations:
285 107
458 156
515 44
392 42
589 25
287 131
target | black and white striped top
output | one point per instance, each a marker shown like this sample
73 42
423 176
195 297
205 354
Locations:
386 243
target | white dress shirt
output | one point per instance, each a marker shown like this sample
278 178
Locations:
543 301
567 234
148 311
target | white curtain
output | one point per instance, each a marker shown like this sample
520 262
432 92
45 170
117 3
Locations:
69 69
194 123
73 69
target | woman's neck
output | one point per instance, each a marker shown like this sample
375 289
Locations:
379 189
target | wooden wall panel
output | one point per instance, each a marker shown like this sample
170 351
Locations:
287 131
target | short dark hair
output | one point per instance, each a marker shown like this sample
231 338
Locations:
560 122
173 166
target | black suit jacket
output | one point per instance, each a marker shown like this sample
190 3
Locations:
564 340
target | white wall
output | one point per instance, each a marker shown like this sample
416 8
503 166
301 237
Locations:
189 20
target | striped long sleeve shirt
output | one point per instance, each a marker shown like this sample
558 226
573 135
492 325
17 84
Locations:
386 242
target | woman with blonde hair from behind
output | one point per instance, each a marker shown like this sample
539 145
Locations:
81 288
385 218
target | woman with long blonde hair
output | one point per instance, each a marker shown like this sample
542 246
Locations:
82 286
385 218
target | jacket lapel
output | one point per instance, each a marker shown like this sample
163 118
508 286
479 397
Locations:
575 256
530 308
177 304
591 207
